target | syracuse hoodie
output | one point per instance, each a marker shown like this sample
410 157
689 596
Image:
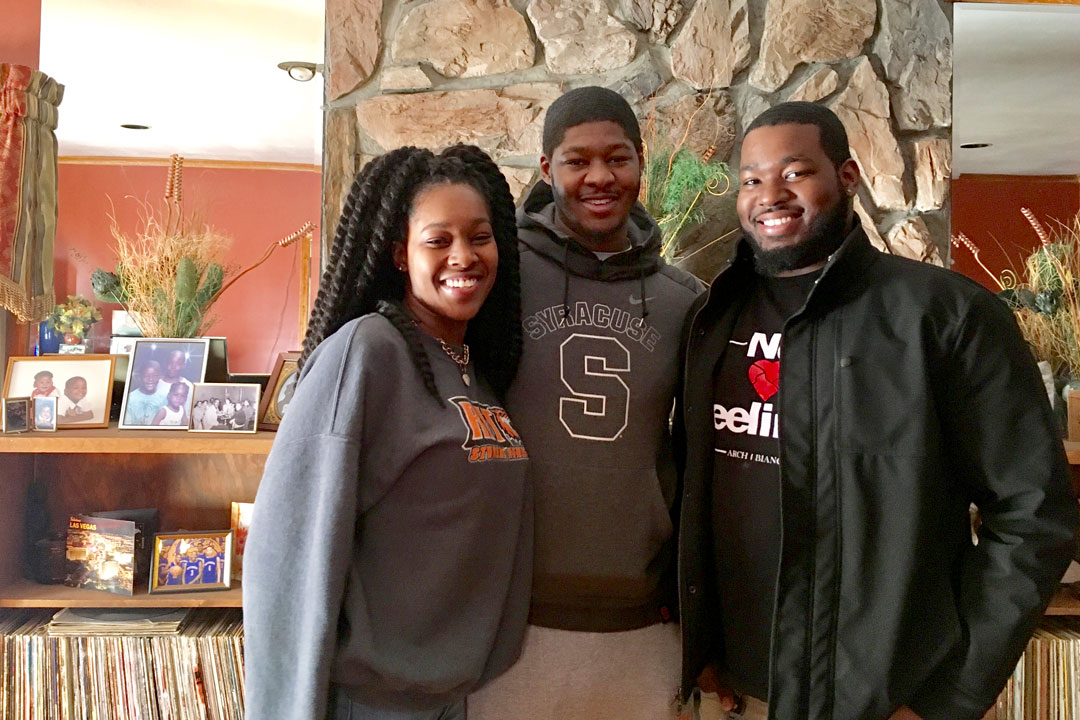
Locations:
592 400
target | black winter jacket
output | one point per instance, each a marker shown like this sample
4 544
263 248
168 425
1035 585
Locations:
907 393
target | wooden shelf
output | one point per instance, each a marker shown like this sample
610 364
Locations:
160 442
1066 601
26 594
1072 451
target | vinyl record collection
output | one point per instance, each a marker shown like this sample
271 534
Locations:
1046 682
182 665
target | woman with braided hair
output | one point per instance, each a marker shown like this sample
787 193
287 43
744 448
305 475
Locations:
387 568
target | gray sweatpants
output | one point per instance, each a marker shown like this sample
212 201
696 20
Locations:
564 675
342 707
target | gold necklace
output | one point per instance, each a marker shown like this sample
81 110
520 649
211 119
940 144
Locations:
461 360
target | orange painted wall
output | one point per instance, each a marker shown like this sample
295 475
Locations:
259 314
20 32
986 208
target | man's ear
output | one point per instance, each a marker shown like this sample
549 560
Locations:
849 175
545 169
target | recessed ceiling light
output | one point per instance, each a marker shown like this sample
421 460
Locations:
974 146
134 126
302 71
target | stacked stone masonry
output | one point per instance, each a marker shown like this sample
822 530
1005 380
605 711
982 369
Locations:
438 72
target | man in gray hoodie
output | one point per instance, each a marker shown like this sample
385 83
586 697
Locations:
601 312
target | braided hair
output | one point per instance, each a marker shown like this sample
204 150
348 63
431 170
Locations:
494 335
360 276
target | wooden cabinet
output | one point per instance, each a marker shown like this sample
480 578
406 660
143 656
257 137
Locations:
190 477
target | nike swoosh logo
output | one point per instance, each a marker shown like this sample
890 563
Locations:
638 301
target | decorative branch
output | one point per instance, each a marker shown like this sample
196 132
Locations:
962 240
286 241
1039 229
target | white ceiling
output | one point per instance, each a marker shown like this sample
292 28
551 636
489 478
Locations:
1016 85
201 73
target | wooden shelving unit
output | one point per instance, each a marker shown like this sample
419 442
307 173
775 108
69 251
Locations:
27 593
1066 601
1072 451
190 477
138 442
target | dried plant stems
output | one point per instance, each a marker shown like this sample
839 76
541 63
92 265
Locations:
170 272
674 178
149 261
1052 338
1063 257
1046 297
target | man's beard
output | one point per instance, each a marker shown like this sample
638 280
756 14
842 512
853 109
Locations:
824 236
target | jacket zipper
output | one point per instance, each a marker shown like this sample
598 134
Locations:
812 486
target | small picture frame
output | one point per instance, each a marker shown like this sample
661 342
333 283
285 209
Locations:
160 381
122 324
189 561
121 345
16 414
81 384
240 521
1072 405
45 414
279 390
224 407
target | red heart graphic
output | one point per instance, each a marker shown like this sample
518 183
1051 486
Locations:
765 377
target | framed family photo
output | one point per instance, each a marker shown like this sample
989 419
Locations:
161 376
225 407
16 414
81 384
279 390
186 561
45 414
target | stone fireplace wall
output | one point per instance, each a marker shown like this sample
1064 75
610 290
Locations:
438 72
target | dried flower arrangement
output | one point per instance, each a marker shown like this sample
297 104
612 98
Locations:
170 272
1045 295
675 179
73 317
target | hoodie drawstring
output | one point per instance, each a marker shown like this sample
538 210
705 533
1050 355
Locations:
566 280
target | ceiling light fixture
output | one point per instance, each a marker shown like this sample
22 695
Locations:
974 146
134 126
300 71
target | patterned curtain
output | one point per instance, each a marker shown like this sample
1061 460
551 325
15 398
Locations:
28 101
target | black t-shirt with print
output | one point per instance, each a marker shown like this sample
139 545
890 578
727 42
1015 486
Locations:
746 480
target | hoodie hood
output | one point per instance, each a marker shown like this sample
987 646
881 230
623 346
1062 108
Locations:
538 231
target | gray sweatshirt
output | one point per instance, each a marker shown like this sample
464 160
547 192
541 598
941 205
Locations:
391 540
592 399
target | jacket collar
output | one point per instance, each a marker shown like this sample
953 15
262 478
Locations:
848 262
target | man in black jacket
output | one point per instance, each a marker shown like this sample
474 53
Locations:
827 568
